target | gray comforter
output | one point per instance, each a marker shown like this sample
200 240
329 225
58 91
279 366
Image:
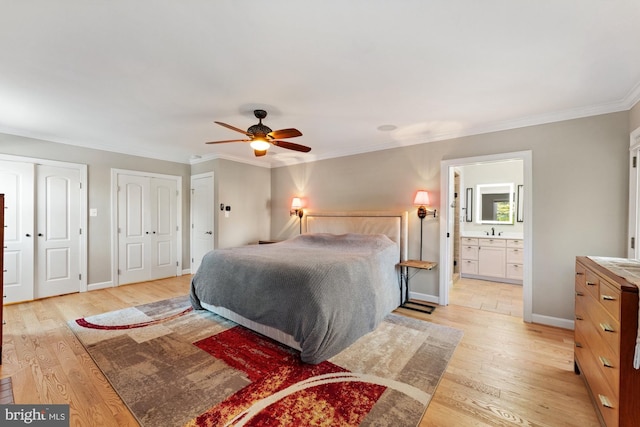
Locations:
324 290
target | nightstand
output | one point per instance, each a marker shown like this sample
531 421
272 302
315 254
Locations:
404 285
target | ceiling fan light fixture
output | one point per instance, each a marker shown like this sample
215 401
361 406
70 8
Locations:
259 145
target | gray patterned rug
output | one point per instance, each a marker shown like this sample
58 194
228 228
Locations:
174 366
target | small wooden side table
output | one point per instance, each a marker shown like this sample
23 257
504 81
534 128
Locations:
404 284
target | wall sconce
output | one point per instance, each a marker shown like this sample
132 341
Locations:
422 200
296 209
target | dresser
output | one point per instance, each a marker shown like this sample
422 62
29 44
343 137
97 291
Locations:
606 328
492 258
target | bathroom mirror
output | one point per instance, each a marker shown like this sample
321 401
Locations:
494 203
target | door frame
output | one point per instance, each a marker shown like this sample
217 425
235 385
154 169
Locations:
83 170
213 213
634 186
115 280
446 243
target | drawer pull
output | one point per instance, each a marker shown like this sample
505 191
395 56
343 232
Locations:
605 362
604 400
579 345
606 327
578 317
590 283
579 273
608 298
580 294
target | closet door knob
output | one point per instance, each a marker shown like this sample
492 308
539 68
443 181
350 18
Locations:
40 234
28 235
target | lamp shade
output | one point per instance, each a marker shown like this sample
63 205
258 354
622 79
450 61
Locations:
296 203
421 199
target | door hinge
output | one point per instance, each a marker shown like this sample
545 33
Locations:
119 272
79 276
447 234
633 243
119 230
177 264
635 161
81 231
177 228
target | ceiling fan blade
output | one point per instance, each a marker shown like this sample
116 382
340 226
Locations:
228 140
233 128
284 133
259 153
291 146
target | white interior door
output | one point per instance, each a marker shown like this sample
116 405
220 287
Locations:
17 184
58 231
163 200
202 211
133 229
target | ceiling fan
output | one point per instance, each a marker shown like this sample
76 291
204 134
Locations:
261 137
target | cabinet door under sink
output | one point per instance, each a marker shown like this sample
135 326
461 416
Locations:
491 261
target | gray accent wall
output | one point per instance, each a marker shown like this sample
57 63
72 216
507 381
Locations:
634 118
580 195
247 189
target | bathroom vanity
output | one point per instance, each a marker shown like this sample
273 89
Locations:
493 258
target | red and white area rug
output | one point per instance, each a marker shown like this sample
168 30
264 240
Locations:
173 366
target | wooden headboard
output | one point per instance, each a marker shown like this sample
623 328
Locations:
391 224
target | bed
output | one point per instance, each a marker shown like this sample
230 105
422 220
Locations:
318 292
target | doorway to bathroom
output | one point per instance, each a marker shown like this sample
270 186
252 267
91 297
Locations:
462 214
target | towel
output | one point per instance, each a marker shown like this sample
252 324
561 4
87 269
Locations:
628 269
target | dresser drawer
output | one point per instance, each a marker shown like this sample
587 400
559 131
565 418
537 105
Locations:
591 311
605 399
610 299
592 283
469 252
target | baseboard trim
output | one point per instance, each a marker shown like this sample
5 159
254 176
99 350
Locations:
553 321
96 286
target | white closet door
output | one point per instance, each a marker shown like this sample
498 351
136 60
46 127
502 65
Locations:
16 182
58 231
202 210
163 226
133 229
147 228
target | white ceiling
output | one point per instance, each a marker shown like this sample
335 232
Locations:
149 77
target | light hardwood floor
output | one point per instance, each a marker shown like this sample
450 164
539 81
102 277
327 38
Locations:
484 295
503 373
